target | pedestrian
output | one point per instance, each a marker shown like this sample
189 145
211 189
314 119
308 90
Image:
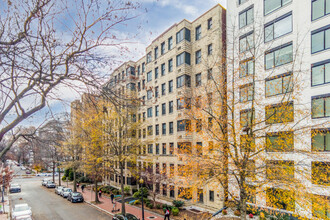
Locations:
77 185
112 196
100 193
167 214
82 188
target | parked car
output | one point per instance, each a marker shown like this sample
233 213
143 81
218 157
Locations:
24 217
15 188
75 197
50 184
44 182
65 192
21 210
127 216
58 189
28 172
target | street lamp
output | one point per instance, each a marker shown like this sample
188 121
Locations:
3 190
141 182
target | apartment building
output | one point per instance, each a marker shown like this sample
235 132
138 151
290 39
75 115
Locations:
176 66
278 55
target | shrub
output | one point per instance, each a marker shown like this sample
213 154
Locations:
115 191
164 206
224 212
158 206
136 202
178 203
150 205
84 179
237 212
144 192
262 216
127 190
63 178
175 211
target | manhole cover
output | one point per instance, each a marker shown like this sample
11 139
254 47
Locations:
151 217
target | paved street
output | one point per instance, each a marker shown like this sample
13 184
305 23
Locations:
46 204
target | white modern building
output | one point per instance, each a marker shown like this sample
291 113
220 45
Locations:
281 51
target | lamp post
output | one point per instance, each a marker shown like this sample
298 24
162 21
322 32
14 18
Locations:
3 190
141 182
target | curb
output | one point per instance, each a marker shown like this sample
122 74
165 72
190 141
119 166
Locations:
95 206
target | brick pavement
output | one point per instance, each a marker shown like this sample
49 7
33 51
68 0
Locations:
106 206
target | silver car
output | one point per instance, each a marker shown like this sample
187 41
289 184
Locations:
50 184
65 192
21 210
58 190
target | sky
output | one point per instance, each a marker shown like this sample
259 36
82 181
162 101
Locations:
155 16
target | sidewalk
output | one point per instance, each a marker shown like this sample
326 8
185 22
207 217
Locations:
7 209
106 206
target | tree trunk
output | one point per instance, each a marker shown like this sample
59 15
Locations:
123 211
53 171
96 192
74 180
242 200
59 176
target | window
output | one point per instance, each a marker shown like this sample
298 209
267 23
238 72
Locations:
246 17
150 148
246 42
139 70
321 106
211 196
321 39
209 122
183 34
246 117
149 58
184 125
279 142
279 170
156 53
321 206
157 110
162 48
280 199
280 113
183 58
199 148
144 116
246 93
198 32
272 5
170 107
164 129
144 133
156 72
164 150
200 195
149 112
164 109
156 91
209 23
209 74
279 84
143 67
163 89
184 148
246 68
198 56
170 127
149 94
156 130
170 86
198 125
247 143
279 27
321 140
241 1
198 79
163 69
251 193
170 43
184 103
278 56
320 8
149 130
209 49
321 73
170 65
183 80
321 173
171 148
149 76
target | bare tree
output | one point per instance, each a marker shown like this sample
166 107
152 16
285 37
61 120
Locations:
48 44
